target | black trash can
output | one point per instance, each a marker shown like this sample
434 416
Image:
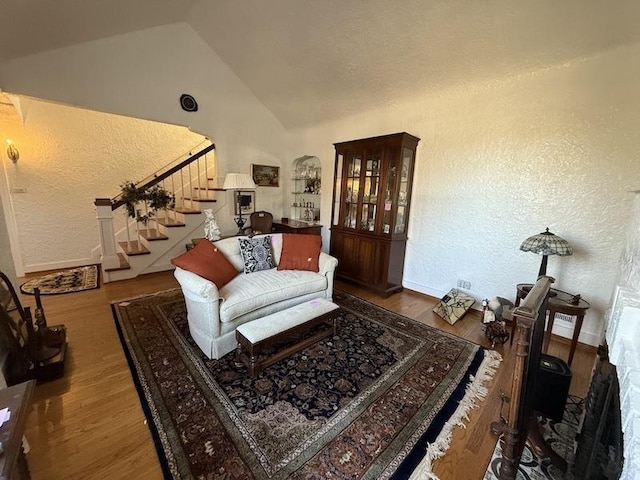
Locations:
552 387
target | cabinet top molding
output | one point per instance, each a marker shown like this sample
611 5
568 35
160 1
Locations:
390 138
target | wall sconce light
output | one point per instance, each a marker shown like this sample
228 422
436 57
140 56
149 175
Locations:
12 151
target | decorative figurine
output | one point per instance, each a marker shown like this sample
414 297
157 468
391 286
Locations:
495 312
211 229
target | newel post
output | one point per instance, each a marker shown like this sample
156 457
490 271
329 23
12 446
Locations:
109 257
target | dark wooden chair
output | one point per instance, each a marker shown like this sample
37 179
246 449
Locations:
34 350
260 222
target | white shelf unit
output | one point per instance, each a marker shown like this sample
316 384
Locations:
306 193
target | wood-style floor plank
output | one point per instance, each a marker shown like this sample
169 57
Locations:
90 425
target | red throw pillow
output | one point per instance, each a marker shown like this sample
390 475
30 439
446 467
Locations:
207 261
300 252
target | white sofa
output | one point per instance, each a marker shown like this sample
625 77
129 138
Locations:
214 314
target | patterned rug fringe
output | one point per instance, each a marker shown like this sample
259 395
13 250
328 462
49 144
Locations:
475 391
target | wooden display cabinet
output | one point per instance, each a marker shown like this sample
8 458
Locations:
371 200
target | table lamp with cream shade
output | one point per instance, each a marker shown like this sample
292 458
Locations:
238 182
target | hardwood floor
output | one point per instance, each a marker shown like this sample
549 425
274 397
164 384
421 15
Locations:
90 425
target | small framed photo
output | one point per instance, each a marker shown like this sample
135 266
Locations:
265 175
244 202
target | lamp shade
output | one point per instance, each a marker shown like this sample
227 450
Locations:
547 243
238 181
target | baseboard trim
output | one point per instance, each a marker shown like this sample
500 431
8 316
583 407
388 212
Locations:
423 289
43 267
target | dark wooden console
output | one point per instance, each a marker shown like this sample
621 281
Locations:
287 225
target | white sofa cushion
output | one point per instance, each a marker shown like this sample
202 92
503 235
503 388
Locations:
249 292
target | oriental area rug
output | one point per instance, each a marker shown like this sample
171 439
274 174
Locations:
66 281
378 400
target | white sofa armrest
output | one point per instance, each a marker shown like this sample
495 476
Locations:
196 285
203 308
327 267
326 263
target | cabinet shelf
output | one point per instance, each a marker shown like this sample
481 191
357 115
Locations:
306 186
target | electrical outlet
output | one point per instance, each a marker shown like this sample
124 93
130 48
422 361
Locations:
465 284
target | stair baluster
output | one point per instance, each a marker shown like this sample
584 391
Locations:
116 259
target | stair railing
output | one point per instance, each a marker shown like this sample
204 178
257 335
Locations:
181 178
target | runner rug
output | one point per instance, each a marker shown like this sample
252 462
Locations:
66 281
378 400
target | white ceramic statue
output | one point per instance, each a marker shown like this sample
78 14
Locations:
211 229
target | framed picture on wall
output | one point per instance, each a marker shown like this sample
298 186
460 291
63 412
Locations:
245 201
265 175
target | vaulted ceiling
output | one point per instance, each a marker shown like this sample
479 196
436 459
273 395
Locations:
310 61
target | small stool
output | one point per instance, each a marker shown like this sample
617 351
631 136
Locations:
254 336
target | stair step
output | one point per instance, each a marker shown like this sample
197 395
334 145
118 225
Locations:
207 189
124 264
187 211
151 234
134 248
169 222
203 200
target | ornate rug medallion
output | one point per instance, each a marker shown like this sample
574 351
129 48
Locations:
378 400
66 281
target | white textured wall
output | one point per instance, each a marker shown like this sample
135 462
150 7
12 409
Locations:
497 163
143 74
139 75
68 157
6 260
629 265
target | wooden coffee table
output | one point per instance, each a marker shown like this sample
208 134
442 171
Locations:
253 337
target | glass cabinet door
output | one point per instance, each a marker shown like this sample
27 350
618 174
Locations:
403 191
388 205
371 191
337 187
353 169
